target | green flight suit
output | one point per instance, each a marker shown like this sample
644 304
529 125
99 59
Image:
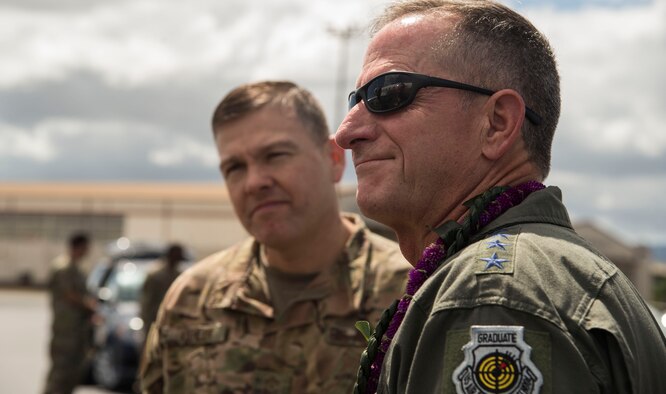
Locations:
217 329
529 306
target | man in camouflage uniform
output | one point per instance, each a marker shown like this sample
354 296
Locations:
276 313
451 131
157 283
73 309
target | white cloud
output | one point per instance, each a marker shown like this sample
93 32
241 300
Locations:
613 84
128 44
143 42
75 149
611 60
183 150
631 206
50 139
29 144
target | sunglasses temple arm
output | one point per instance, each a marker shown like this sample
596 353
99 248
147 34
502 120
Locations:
533 116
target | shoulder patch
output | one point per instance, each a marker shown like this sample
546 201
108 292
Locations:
497 360
496 254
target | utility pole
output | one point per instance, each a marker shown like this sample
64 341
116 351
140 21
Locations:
344 35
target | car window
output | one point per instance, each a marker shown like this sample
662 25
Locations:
95 276
129 285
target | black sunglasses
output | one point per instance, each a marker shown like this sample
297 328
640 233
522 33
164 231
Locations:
397 89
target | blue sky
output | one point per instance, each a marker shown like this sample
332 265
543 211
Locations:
93 90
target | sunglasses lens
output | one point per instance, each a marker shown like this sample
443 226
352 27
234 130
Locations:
353 99
389 92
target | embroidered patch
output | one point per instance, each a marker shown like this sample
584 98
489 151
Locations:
496 254
497 361
494 262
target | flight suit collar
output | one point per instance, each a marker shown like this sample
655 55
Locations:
543 206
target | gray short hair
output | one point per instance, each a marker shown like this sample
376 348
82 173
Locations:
494 47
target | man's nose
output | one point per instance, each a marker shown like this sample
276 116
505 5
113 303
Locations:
258 178
354 127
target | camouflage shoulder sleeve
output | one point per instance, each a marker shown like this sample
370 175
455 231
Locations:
182 300
389 269
182 297
150 370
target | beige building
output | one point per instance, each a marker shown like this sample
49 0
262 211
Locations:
36 220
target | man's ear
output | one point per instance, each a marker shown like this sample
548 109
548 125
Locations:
506 114
337 157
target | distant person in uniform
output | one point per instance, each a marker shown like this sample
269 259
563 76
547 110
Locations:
450 129
157 283
275 313
73 310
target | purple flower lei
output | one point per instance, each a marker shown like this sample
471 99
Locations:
430 260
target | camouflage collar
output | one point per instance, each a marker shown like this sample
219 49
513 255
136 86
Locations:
242 287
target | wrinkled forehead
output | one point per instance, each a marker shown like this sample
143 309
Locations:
409 43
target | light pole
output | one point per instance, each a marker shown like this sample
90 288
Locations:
344 35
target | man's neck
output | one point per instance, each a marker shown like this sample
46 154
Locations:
315 252
413 238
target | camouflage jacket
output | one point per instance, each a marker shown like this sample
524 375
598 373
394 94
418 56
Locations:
216 331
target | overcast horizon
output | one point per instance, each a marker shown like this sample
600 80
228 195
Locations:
124 91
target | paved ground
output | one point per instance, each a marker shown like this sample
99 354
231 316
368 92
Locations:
25 317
